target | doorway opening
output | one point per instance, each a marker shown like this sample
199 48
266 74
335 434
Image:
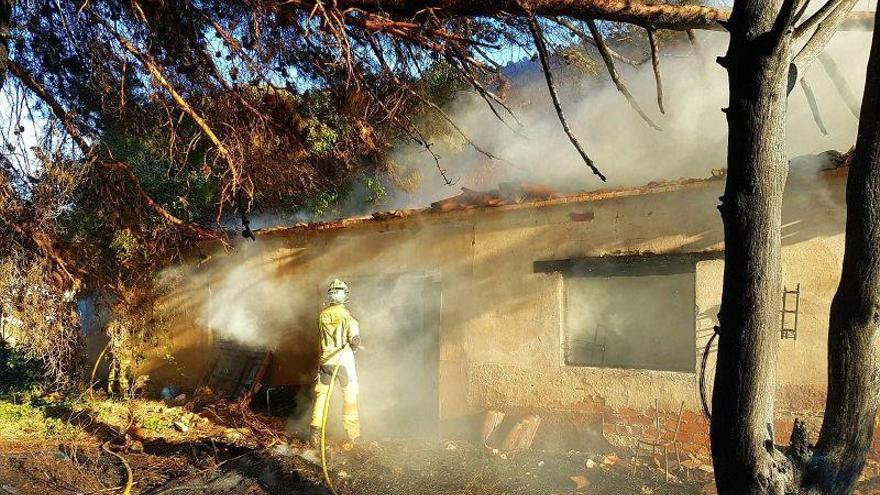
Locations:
398 369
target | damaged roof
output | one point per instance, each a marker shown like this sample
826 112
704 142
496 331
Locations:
509 195
515 195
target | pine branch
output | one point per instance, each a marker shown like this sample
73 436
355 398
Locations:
612 71
545 65
67 120
814 106
839 82
655 63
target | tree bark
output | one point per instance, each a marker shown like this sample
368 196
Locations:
5 27
853 389
757 61
655 15
659 15
822 35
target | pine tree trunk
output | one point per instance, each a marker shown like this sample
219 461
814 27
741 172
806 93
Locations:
851 403
757 61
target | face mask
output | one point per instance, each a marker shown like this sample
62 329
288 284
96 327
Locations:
337 296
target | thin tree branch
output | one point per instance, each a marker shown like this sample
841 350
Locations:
822 35
545 64
655 63
159 76
234 90
487 95
67 121
814 106
66 118
124 169
843 89
235 45
804 5
612 71
377 51
584 37
455 126
816 18
783 25
416 135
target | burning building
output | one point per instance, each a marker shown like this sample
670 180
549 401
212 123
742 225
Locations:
590 310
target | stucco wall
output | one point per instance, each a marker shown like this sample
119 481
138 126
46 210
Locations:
502 322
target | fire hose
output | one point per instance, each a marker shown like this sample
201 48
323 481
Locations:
324 426
130 481
324 419
106 445
95 370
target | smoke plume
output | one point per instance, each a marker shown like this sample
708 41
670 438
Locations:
625 148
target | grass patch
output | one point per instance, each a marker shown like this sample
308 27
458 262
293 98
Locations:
32 422
72 418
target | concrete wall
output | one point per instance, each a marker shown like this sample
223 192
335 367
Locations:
502 322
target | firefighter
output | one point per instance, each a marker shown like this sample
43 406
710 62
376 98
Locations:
340 339
118 381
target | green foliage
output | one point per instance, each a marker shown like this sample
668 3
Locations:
319 136
30 420
126 245
18 373
324 203
200 199
439 83
155 423
376 192
326 125
190 194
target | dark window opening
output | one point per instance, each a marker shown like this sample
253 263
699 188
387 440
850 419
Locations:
635 313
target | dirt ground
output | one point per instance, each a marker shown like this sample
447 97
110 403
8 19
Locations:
389 468
172 450
373 469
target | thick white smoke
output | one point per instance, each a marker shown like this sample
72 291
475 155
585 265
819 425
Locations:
692 143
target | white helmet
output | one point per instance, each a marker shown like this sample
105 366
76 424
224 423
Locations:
337 292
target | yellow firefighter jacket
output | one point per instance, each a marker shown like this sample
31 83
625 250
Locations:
337 328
